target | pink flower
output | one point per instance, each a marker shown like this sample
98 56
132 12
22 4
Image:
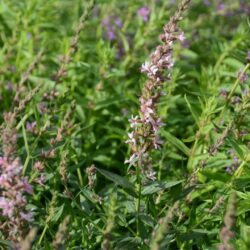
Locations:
157 142
30 126
146 108
248 56
41 179
144 13
150 69
242 76
132 159
133 121
7 207
2 160
131 138
26 186
156 123
181 37
27 216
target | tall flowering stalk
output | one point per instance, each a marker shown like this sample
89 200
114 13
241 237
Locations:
13 202
13 187
143 137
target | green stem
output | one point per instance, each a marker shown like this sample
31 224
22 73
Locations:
80 176
43 233
233 90
192 153
237 82
138 176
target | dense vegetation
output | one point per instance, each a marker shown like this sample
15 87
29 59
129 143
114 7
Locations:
124 124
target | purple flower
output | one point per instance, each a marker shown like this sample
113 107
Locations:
245 92
111 35
223 93
106 21
132 159
27 216
133 121
28 35
131 138
156 123
7 207
13 202
220 7
30 126
41 180
146 108
207 2
181 37
157 142
248 56
118 22
228 170
9 86
244 7
150 69
144 13
26 186
110 24
242 76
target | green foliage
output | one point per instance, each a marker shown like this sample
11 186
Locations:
206 150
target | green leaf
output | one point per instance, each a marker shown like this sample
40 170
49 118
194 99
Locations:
234 63
193 112
158 186
241 183
58 213
236 147
146 219
214 175
119 180
176 142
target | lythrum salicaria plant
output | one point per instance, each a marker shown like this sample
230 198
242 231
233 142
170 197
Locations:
143 137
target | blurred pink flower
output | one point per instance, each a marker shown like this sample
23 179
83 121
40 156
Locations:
181 37
144 13
242 76
7 206
248 56
27 216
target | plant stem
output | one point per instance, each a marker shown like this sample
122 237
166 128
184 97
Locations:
138 177
43 233
237 82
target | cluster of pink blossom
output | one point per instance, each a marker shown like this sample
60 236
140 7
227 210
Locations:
144 135
12 200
